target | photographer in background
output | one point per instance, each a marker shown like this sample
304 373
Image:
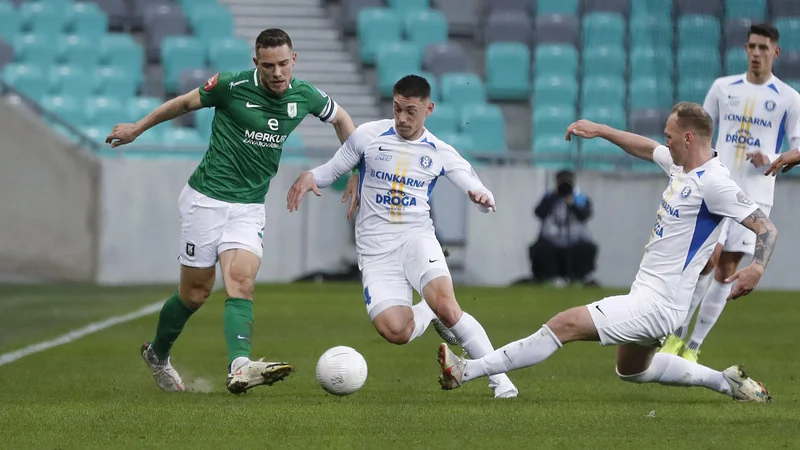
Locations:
564 251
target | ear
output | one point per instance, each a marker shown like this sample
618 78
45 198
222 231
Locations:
255 61
777 50
429 109
294 57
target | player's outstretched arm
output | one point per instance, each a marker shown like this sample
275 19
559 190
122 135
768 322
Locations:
633 144
343 124
125 133
766 238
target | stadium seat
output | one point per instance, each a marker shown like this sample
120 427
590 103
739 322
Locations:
486 126
179 53
699 62
648 122
394 59
704 7
651 62
462 89
68 108
555 59
376 26
138 107
650 92
463 143
603 28
462 15
443 120
203 119
350 10
611 115
27 79
160 21
788 65
87 20
117 12
34 49
735 61
745 9
6 53
604 61
120 50
569 7
113 81
651 32
736 32
557 29
651 8
403 6
518 6
190 3
622 7
446 57
105 112
191 79
694 89
784 8
552 119
599 148
598 91
426 27
555 91
293 142
42 18
508 71
552 147
79 50
9 22
790 33
74 81
229 53
211 22
183 137
698 31
508 26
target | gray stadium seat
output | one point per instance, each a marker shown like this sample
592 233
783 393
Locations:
160 21
350 9
138 10
462 15
445 57
736 32
193 79
6 53
709 7
648 122
788 66
784 8
557 29
117 12
509 26
511 5
618 6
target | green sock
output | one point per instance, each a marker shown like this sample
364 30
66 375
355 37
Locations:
238 325
173 317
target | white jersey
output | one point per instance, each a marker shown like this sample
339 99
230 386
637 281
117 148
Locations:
753 118
397 178
687 227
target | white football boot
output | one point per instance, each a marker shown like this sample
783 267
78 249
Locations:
165 375
452 368
744 388
444 332
255 373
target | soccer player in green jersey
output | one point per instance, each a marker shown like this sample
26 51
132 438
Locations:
222 208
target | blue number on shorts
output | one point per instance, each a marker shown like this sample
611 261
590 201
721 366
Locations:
367 297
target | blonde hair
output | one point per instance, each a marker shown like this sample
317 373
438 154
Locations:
693 116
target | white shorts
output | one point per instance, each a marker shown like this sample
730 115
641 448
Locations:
735 238
209 227
633 319
389 278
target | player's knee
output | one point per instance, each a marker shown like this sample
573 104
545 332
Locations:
242 284
395 332
194 295
439 294
572 325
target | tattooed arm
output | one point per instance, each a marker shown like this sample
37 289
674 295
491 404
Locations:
766 237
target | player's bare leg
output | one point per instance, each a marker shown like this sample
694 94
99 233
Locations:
441 297
195 287
713 303
401 324
239 268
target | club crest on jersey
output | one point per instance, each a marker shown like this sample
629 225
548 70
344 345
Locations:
687 191
211 83
769 105
291 110
425 162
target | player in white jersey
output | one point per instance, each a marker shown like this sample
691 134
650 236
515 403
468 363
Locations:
753 113
399 164
699 195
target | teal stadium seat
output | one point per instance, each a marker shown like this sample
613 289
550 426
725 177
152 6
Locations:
552 151
698 31
613 116
603 28
403 6
9 22
375 27
651 62
700 62
443 120
87 20
186 4
105 112
604 61
120 50
294 142
600 91
600 154
34 49
461 89
42 18
182 137
692 89
745 9
555 59
424 27
79 51
486 126
69 108
115 81
552 119
790 33
650 92
436 93
735 61
463 143
229 53
651 32
394 60
203 119
27 79
140 106
508 71
210 22
651 8
72 80
177 54
556 91
568 7
97 135
60 5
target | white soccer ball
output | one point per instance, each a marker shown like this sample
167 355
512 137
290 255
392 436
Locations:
341 370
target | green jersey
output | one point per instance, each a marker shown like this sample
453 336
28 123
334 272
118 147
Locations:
247 135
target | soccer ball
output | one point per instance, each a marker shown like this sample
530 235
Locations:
341 370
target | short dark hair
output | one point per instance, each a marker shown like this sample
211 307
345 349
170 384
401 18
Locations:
692 115
764 29
413 86
273 37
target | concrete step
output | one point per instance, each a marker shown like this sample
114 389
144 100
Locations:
310 66
301 44
273 3
326 77
261 10
309 25
347 90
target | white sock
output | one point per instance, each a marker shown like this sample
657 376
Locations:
672 370
710 310
700 290
423 314
525 352
238 362
475 342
